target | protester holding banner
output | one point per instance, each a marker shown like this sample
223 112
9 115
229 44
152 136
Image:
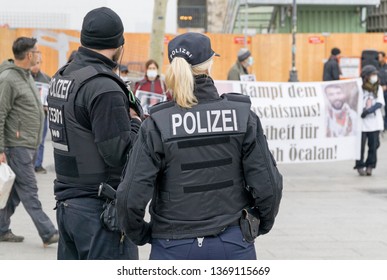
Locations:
151 90
205 163
372 120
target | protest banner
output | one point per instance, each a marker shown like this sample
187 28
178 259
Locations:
306 122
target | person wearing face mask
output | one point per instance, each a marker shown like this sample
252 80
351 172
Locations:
372 120
150 85
244 61
152 81
93 127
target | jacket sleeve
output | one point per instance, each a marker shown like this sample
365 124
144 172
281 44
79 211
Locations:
6 101
233 75
114 131
261 174
137 187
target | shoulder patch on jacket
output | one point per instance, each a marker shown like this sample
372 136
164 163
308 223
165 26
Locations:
237 97
161 106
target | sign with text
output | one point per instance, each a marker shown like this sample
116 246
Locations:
350 67
306 122
240 40
43 90
316 39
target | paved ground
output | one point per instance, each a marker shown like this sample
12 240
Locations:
327 212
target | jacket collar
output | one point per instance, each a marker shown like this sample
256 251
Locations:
204 88
93 57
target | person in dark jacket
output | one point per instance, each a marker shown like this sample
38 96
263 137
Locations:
92 128
332 70
204 161
42 81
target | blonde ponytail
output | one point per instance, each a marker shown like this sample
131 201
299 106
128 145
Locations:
179 79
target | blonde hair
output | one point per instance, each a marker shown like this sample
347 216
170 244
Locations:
180 80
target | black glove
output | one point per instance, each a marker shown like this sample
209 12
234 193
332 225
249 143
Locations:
135 104
364 114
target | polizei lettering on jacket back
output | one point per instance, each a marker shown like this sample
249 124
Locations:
59 88
207 121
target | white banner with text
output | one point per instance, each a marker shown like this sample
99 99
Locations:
306 122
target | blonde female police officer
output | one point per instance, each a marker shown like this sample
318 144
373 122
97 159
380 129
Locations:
202 159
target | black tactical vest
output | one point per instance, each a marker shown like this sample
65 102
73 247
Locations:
202 188
77 160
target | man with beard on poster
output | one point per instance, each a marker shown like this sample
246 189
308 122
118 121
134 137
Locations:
341 118
93 128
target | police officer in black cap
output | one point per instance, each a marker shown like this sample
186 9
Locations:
92 130
204 162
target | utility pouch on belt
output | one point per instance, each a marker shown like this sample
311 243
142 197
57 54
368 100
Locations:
109 215
249 226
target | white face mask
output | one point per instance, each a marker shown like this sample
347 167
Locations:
151 74
125 79
250 61
373 79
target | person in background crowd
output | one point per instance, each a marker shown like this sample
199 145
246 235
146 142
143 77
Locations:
42 82
21 125
332 70
372 120
122 71
204 162
100 128
341 118
383 80
152 89
244 61
152 81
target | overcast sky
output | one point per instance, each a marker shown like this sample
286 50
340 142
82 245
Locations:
68 14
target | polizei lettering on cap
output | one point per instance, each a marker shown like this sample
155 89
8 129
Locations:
59 88
204 122
180 50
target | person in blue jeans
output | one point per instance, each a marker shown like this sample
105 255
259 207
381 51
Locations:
42 82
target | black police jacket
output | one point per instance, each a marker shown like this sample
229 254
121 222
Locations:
200 166
90 125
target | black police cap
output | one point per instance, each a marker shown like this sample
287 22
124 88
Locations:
195 48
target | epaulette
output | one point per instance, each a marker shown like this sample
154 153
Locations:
160 106
237 97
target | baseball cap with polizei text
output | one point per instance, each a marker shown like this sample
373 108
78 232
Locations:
194 47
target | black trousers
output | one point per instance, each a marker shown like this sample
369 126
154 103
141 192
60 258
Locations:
372 138
82 236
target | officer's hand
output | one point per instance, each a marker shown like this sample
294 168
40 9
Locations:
133 114
364 114
3 158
